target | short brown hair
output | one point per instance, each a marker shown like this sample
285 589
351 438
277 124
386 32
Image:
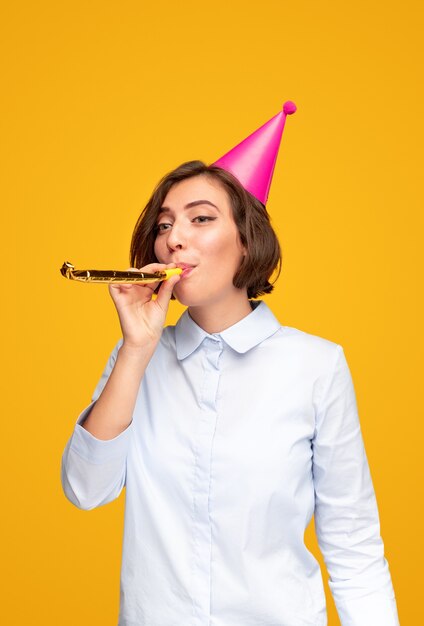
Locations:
250 215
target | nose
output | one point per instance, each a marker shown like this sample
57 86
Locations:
176 239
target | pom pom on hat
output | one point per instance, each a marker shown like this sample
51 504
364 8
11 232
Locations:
289 107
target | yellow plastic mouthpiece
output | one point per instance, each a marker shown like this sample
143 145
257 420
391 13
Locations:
173 272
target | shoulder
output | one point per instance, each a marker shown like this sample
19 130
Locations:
308 341
293 337
306 348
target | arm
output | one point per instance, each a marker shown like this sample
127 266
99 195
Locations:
112 413
93 468
346 514
94 461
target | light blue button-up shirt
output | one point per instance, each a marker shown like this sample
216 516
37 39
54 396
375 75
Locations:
237 439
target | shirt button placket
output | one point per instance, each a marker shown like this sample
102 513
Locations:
212 350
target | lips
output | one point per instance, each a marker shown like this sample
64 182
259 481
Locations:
184 266
187 269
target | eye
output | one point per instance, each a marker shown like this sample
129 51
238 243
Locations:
161 227
204 218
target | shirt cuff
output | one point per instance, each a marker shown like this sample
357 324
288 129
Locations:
98 451
374 609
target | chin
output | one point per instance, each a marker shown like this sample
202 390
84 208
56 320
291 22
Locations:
187 297
185 300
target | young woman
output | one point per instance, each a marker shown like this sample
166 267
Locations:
229 431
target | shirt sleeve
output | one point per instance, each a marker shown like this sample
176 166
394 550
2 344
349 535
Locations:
93 471
346 514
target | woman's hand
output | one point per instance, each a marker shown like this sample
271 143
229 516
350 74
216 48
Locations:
142 318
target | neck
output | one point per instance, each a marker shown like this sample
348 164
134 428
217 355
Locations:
221 315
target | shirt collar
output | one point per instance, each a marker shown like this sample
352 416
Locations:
242 336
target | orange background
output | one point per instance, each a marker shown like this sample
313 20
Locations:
103 98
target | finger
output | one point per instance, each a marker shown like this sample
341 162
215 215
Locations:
165 291
148 269
120 287
153 268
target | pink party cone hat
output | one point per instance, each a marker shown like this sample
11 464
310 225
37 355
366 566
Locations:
253 160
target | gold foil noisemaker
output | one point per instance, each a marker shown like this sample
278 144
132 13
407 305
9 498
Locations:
116 276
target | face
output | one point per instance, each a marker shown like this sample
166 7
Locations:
196 230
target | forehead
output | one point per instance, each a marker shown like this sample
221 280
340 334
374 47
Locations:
196 188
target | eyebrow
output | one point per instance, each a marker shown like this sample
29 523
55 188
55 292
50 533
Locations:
165 209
